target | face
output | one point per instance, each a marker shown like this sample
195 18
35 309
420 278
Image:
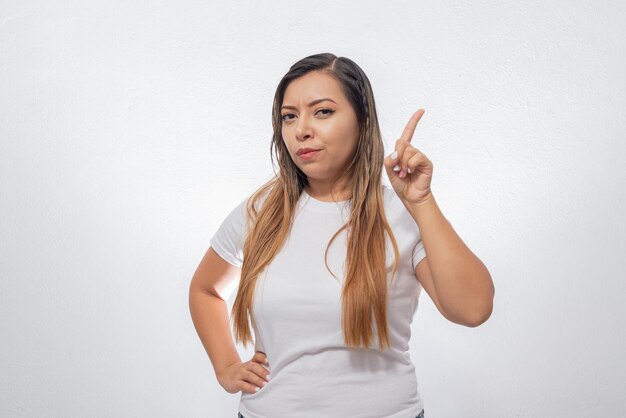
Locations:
329 126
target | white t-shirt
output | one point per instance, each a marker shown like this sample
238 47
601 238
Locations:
297 319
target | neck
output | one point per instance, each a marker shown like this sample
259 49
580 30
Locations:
322 190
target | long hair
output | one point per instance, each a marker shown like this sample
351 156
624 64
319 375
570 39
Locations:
364 293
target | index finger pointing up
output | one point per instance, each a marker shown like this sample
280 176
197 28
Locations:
409 130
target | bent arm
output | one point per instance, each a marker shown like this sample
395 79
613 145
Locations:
209 311
463 286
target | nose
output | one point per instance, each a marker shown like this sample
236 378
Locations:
303 129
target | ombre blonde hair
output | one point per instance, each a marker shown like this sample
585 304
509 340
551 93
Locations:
364 293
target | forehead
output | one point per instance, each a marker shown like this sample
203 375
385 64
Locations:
311 86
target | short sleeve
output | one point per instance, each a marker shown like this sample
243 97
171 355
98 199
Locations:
229 238
418 252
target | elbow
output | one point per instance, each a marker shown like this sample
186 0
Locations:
478 321
481 312
475 311
471 320
480 316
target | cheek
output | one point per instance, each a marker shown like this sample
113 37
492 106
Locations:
286 141
344 139
340 131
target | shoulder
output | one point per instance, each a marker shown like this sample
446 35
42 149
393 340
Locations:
247 208
258 198
240 215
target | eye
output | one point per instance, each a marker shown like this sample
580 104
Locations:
329 112
285 115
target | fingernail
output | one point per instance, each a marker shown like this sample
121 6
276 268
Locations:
402 174
394 155
268 378
256 389
396 168
409 170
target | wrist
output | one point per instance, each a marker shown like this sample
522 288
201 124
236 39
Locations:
423 209
423 201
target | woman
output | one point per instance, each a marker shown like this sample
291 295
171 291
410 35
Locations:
329 262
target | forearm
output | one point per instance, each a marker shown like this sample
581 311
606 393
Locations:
463 283
211 320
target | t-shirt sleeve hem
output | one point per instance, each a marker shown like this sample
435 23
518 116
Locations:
419 256
224 254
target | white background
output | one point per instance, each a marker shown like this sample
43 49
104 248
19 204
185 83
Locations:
128 130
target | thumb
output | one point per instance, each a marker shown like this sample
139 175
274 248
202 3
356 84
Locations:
390 161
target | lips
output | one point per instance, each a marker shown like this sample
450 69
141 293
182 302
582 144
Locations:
308 155
305 150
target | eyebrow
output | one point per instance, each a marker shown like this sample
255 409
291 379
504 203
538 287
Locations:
314 102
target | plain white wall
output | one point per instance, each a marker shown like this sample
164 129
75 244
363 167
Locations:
128 130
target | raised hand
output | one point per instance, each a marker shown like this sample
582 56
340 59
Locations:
410 171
